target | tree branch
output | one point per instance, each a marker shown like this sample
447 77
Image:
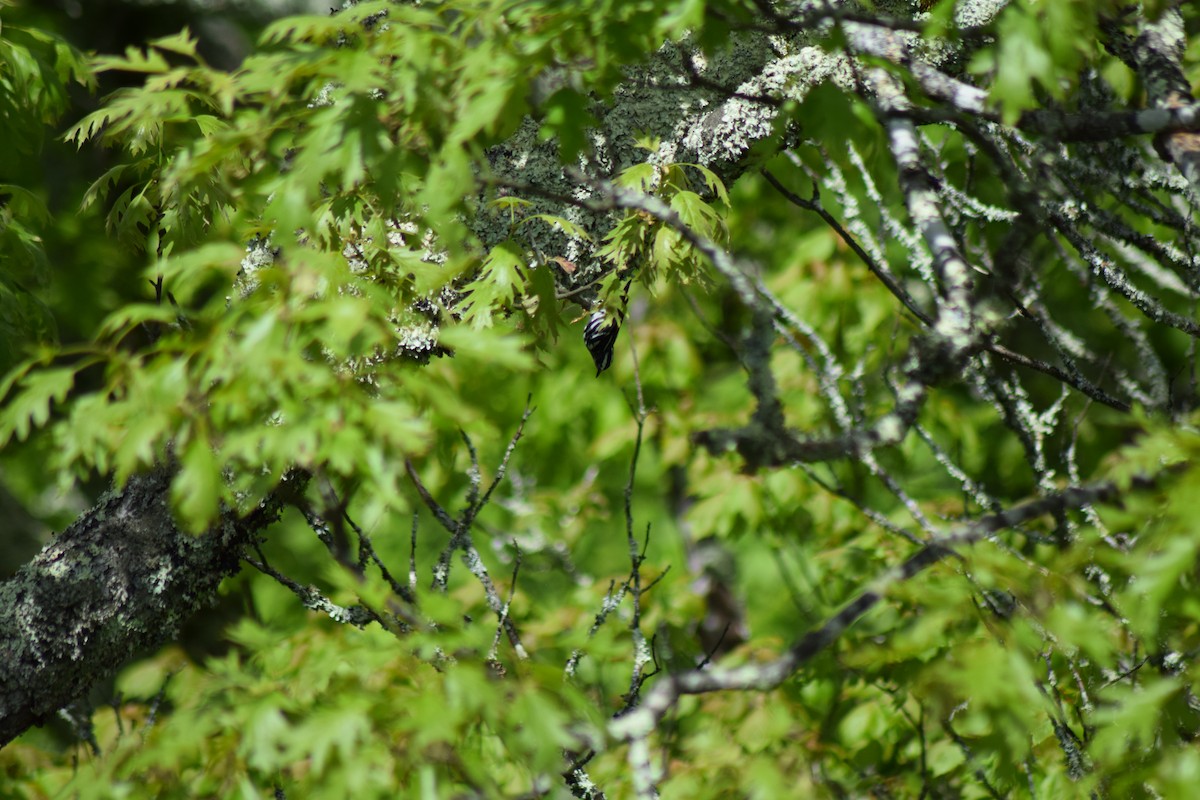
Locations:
119 581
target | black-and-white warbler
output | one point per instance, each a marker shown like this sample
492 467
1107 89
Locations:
600 336
600 333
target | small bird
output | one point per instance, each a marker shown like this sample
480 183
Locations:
600 336
600 333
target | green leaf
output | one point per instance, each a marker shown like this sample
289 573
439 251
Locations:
713 183
134 60
30 408
698 215
196 490
566 116
317 29
561 224
1131 717
500 279
487 348
129 318
182 43
640 176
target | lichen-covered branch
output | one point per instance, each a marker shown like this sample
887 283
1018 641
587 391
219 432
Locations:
119 581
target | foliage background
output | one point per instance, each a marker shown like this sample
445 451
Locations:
1045 660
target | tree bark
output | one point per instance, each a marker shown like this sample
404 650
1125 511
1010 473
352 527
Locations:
119 581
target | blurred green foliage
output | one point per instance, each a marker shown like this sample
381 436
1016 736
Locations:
334 128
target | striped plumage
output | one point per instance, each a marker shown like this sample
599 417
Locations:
600 336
